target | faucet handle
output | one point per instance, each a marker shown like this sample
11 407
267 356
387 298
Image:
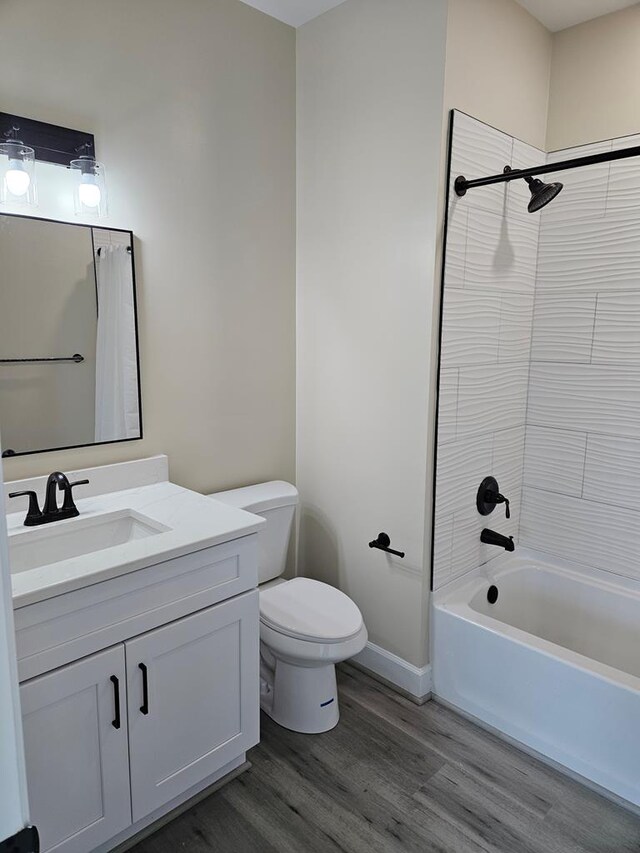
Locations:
489 496
500 499
68 503
33 513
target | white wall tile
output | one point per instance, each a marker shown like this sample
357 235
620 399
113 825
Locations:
612 471
593 397
442 548
624 178
617 327
468 552
471 327
478 150
461 468
583 531
501 252
554 460
516 318
447 405
563 327
456 247
487 318
585 189
524 156
590 255
579 457
507 465
491 397
587 312
462 465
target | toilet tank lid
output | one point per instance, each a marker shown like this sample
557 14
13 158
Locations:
261 497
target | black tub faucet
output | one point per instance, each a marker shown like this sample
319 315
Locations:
490 537
489 496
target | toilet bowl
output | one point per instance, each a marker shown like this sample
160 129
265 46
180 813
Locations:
306 626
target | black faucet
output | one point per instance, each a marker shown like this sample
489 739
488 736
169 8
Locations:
56 481
489 495
490 537
51 511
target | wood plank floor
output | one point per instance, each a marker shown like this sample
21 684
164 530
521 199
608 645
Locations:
391 778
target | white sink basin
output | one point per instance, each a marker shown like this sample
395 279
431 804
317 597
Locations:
30 548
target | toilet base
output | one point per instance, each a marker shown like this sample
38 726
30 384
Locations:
301 698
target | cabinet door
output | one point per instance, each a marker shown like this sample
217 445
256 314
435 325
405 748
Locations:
75 736
193 696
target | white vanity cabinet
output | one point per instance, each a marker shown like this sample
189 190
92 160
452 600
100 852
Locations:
77 759
193 700
125 734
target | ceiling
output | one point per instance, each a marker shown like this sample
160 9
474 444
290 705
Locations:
560 14
554 14
294 12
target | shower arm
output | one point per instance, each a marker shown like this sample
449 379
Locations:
461 184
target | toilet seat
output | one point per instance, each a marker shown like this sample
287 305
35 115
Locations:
309 610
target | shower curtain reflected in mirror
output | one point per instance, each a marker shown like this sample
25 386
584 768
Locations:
117 411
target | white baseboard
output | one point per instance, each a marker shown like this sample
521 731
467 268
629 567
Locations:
397 671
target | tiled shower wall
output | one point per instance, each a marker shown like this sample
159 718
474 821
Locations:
488 302
541 329
581 499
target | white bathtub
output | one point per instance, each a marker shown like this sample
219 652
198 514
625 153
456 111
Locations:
554 663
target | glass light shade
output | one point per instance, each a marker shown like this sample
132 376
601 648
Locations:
90 190
17 165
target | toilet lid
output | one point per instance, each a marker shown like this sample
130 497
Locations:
310 610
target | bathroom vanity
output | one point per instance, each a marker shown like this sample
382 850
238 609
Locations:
137 650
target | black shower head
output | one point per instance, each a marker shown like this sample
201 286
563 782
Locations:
541 193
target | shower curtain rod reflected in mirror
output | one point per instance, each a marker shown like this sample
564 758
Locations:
461 184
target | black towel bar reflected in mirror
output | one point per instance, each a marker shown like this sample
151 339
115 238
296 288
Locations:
76 357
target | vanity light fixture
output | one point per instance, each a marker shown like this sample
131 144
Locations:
50 143
18 179
90 191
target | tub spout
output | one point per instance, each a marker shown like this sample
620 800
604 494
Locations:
490 537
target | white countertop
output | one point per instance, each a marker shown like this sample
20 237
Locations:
194 521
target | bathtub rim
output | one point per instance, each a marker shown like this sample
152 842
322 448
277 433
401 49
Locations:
454 599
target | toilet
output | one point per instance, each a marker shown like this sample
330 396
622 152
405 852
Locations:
306 627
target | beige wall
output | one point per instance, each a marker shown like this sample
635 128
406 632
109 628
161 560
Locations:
370 79
595 80
193 108
367 310
47 309
498 66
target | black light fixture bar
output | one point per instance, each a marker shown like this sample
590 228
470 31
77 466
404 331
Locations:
461 184
51 143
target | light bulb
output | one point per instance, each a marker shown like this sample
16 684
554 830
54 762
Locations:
17 178
88 191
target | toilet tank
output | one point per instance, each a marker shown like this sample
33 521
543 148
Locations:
276 502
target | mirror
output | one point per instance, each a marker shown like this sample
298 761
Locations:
69 365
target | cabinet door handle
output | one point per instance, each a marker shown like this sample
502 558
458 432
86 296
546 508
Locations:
116 702
144 708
